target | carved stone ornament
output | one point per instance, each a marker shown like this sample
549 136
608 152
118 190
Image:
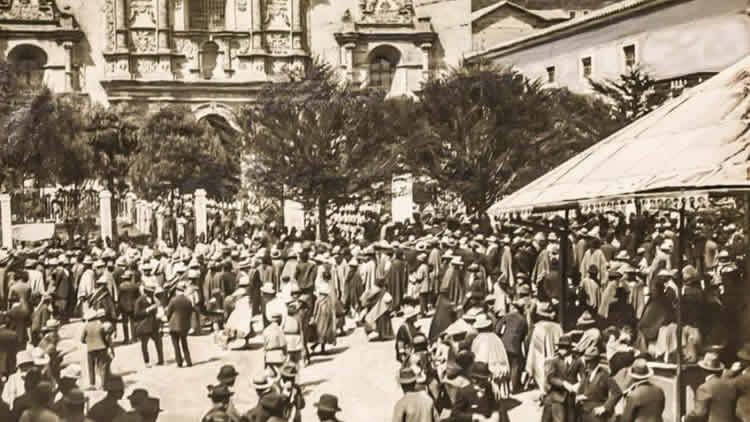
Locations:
178 4
277 14
142 13
242 5
278 43
108 8
33 10
243 46
187 47
386 11
146 65
144 41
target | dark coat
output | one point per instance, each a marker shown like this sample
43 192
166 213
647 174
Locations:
8 347
145 321
106 410
475 398
656 314
645 403
513 329
128 295
602 390
714 401
179 311
445 315
397 280
557 371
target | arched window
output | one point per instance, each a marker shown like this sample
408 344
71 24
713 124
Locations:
28 62
209 55
207 15
383 62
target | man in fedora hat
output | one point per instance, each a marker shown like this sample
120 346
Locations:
97 336
107 409
263 385
179 312
415 405
406 332
220 396
477 401
328 406
292 392
715 399
128 295
147 326
513 329
227 377
562 376
102 298
72 407
643 401
598 392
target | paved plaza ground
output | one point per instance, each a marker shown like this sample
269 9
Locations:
360 373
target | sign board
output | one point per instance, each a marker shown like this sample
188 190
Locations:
402 200
294 215
33 232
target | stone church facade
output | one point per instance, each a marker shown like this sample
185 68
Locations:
214 55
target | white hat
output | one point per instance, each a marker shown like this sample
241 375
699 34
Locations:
180 268
268 288
72 371
23 357
39 356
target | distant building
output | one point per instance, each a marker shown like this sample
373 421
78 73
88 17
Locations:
679 42
506 20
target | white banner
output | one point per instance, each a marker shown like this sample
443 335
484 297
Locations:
33 232
294 215
402 200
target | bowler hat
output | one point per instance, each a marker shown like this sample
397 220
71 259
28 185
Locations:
227 372
564 342
138 395
150 407
219 392
114 383
272 401
328 403
480 370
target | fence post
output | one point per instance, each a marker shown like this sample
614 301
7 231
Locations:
6 221
105 214
200 214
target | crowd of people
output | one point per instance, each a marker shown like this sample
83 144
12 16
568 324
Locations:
489 294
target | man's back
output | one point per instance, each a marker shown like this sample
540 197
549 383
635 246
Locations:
645 403
414 406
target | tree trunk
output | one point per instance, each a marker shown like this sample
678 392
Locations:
322 220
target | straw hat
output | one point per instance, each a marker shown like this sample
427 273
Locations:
457 261
482 321
268 288
640 370
711 362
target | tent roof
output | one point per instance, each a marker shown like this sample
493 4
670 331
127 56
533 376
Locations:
695 142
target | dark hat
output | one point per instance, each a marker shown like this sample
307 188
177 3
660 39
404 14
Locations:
480 370
114 383
150 407
593 269
328 403
272 401
219 392
464 359
75 397
226 372
138 395
614 275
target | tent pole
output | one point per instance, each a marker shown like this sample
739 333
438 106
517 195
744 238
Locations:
680 249
564 270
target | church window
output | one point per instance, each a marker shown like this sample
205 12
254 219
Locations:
28 62
381 73
207 15
209 55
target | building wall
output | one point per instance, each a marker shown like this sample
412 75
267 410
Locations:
688 37
502 25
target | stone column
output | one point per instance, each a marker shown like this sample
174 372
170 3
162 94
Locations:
6 221
426 53
121 29
105 213
130 207
297 27
349 60
68 46
162 24
257 26
201 221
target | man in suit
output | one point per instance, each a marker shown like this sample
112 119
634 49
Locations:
128 296
563 373
146 324
108 409
512 329
179 312
715 398
644 401
598 392
97 337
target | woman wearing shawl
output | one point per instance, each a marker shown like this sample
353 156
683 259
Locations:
489 348
453 278
445 315
353 287
542 345
397 278
324 318
377 320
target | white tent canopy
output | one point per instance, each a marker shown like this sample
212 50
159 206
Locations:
692 144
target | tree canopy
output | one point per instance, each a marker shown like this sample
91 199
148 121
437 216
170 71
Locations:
320 141
178 152
630 96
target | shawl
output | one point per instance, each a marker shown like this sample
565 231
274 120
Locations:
367 273
506 266
489 348
541 348
324 318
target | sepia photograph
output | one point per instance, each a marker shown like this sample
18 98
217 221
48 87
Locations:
374 210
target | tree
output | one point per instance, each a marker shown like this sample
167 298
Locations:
319 141
178 152
630 96
489 131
